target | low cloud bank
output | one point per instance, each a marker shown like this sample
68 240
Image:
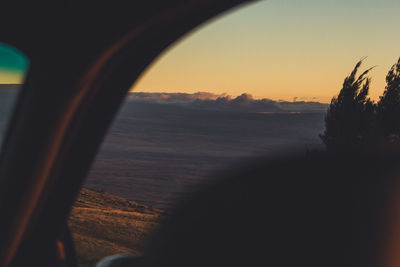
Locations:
244 102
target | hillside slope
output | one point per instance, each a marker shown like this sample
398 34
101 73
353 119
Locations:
103 224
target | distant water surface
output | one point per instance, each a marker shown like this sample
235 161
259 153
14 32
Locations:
156 153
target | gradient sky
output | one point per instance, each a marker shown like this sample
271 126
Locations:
282 49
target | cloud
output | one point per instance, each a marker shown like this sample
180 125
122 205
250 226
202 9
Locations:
172 97
244 102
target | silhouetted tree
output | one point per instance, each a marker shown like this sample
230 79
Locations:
351 115
388 107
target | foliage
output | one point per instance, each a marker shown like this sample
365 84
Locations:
350 115
353 121
388 107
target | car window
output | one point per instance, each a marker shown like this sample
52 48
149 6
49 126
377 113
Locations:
257 81
13 67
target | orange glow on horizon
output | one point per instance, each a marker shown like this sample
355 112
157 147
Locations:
276 50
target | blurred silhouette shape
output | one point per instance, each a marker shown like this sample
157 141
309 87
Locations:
318 210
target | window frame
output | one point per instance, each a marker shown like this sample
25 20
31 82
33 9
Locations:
53 134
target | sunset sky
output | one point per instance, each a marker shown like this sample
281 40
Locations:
282 49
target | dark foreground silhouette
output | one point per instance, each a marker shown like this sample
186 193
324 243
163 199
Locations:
313 210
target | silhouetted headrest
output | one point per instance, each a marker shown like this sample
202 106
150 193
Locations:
312 210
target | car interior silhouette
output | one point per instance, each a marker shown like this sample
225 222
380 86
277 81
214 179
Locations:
302 209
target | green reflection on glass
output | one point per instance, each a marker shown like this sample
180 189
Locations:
13 65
